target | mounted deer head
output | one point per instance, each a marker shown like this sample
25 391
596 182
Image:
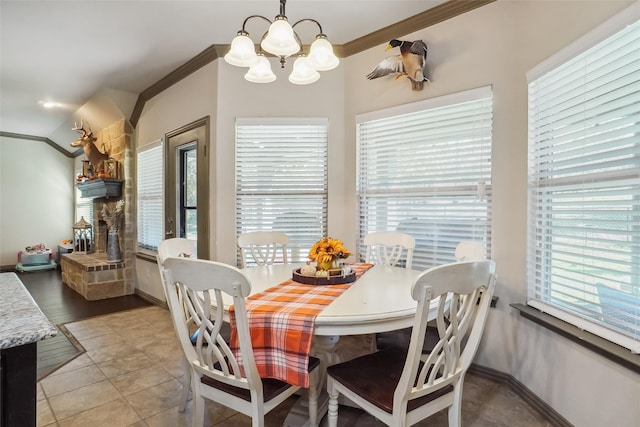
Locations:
86 141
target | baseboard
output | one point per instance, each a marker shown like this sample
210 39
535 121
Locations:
150 298
537 404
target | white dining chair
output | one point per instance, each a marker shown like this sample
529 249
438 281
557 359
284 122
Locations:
176 247
216 373
469 250
400 387
389 248
466 250
263 247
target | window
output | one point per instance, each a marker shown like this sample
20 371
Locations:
584 183
188 205
425 169
281 179
84 207
150 193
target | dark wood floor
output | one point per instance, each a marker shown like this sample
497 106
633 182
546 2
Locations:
62 304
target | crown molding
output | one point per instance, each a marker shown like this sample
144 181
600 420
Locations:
41 139
440 13
430 17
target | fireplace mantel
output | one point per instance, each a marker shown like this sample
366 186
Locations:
99 188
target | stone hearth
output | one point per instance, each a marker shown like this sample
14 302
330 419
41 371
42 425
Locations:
92 276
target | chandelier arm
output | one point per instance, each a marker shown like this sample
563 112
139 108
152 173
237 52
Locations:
253 16
310 20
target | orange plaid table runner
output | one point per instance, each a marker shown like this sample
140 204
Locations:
281 323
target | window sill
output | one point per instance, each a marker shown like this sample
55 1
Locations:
607 349
146 256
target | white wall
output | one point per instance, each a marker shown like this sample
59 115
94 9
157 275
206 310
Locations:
496 45
493 45
37 188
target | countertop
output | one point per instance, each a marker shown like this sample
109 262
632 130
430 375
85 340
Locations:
21 320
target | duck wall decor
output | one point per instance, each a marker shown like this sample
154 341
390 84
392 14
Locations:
411 62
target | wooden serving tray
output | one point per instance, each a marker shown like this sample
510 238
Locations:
335 277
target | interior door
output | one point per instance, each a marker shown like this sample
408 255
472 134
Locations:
187 185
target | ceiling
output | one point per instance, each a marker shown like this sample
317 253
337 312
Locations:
72 52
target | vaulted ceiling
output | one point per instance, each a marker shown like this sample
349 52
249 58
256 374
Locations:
72 52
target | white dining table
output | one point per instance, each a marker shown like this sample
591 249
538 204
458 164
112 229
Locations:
379 301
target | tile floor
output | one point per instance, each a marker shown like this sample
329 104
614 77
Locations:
131 372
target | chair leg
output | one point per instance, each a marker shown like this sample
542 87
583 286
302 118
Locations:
312 395
198 407
186 387
455 410
332 411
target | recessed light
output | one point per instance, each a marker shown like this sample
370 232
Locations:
50 104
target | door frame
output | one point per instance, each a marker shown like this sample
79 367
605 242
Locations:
198 131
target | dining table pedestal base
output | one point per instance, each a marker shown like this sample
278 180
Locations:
325 348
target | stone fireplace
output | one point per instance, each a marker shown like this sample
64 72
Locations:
90 274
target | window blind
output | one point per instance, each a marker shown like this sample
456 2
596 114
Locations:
150 196
84 207
281 179
425 170
583 257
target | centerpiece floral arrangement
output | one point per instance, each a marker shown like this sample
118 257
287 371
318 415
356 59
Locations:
327 250
114 218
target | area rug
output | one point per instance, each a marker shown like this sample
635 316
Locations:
67 349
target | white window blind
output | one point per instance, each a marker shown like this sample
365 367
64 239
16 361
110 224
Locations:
281 179
584 185
84 207
150 196
425 169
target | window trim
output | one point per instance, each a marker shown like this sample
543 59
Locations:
631 345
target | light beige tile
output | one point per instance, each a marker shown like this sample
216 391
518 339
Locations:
139 380
111 414
71 380
103 354
124 363
215 414
81 399
88 328
155 399
102 341
79 362
44 416
170 418
39 393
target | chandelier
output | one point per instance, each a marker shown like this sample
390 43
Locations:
282 41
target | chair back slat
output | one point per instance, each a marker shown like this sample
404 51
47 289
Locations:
389 248
262 247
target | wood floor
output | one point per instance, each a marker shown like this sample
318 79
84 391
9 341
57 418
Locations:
61 305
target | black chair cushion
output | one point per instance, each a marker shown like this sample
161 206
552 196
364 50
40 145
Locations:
400 339
270 387
375 377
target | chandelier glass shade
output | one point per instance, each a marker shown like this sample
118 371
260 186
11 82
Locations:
282 41
260 71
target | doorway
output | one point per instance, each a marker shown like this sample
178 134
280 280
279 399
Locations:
187 185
